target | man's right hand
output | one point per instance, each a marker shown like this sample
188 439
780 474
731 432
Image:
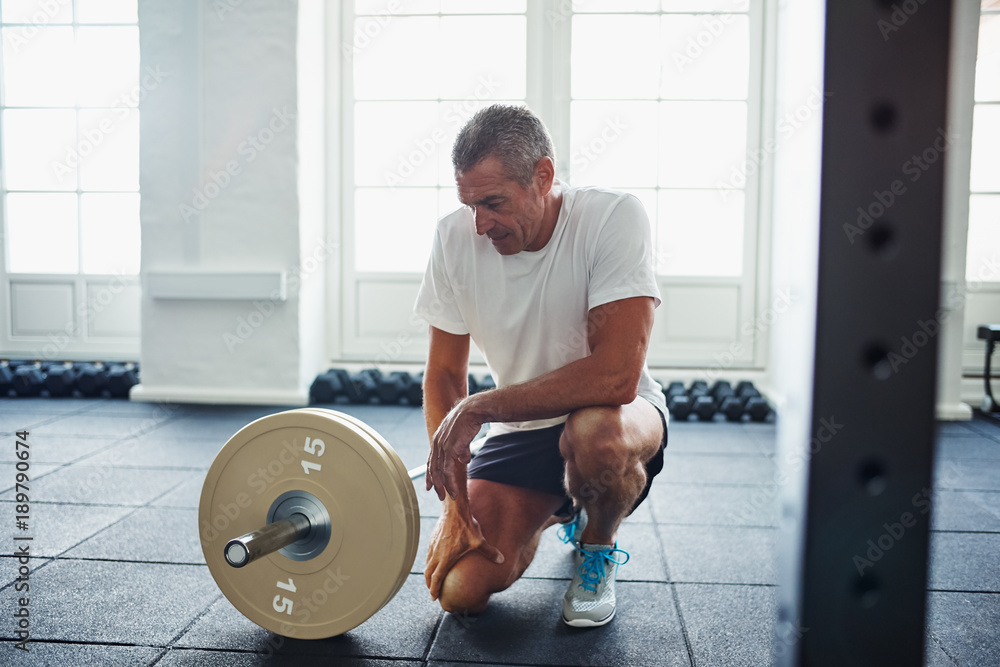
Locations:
456 534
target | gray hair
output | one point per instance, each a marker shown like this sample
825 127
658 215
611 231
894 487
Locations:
512 134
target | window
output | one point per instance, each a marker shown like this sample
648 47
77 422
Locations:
984 179
661 98
70 136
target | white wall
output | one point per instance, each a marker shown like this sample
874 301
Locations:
234 248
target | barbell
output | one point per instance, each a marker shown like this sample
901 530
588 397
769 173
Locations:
309 522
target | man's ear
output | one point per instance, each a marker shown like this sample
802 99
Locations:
545 173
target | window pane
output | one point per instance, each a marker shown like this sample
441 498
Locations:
42 233
705 56
701 142
107 11
109 149
386 8
108 61
700 233
394 228
40 151
988 61
627 66
39 71
37 12
484 57
110 228
484 6
706 5
615 5
611 144
397 143
984 238
400 61
985 175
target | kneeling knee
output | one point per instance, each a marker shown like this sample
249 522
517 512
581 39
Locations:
460 596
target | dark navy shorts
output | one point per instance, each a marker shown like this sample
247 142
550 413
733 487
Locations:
531 460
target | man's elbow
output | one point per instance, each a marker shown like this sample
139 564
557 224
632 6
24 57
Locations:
625 388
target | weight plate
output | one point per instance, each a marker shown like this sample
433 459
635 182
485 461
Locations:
371 547
409 508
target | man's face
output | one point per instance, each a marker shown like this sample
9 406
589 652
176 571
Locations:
508 213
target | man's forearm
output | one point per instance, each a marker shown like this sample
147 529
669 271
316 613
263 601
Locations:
586 382
442 391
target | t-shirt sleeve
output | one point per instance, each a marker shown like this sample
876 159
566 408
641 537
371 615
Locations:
622 265
437 301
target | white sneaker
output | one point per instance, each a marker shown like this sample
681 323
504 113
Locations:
590 600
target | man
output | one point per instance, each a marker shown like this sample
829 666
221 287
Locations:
555 285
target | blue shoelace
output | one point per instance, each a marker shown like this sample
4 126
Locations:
592 569
568 532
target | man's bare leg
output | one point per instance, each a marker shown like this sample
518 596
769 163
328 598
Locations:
512 519
606 450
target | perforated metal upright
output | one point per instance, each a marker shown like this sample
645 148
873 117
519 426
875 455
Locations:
859 533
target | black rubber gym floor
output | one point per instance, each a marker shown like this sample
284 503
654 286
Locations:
117 575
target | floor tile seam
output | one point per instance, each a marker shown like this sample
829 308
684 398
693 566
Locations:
965 532
74 642
48 561
213 649
110 525
680 620
982 433
73 503
32 480
961 488
962 591
142 467
434 637
187 627
937 640
97 559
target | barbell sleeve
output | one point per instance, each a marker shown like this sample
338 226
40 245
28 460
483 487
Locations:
274 536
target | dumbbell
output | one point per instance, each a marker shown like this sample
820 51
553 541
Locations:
415 392
28 380
121 379
92 379
679 406
392 387
326 388
360 387
705 408
473 384
60 379
673 389
308 522
758 409
6 380
720 390
698 388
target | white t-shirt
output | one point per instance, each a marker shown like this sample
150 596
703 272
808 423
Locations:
527 313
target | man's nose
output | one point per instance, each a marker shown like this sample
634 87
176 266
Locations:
483 222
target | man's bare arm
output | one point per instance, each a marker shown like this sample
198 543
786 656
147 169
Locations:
445 377
618 334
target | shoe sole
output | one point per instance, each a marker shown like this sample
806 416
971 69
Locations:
587 623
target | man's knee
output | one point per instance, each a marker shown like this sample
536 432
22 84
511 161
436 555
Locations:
594 437
464 590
